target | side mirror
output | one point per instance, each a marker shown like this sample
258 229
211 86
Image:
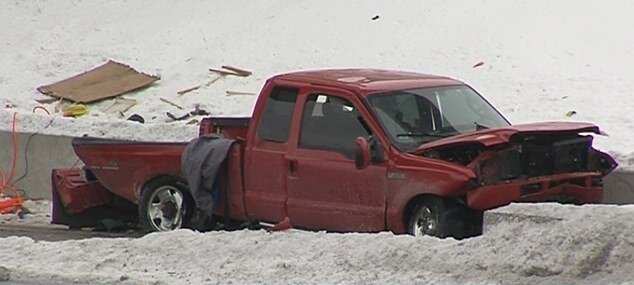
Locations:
361 153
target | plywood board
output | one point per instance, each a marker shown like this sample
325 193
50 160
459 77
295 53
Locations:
105 81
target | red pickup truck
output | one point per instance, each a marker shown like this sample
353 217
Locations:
347 150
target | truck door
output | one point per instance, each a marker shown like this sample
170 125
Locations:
266 167
325 190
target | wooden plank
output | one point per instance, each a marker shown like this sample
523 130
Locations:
171 103
224 72
240 71
232 93
185 91
108 80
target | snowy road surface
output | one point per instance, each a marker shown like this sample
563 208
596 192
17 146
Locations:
522 243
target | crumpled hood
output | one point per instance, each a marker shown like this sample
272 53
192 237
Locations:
496 136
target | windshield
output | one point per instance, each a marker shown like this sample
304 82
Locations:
417 116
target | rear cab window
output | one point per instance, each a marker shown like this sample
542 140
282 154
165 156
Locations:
277 115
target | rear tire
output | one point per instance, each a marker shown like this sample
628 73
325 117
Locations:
434 216
165 205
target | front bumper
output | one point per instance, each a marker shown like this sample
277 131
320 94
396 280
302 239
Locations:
584 187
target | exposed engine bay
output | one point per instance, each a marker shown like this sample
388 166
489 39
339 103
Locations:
528 155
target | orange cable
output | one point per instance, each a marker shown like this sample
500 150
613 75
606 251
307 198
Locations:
11 204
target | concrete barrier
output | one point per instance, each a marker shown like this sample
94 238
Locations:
45 152
37 155
619 188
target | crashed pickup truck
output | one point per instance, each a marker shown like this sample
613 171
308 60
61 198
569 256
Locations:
344 150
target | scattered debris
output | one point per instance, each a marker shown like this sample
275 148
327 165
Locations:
75 110
571 113
41 108
240 71
192 122
230 70
108 80
120 105
196 112
174 118
478 64
224 72
285 224
185 91
60 105
136 118
231 93
171 103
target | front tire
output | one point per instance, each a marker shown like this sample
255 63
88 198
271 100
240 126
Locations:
438 217
165 205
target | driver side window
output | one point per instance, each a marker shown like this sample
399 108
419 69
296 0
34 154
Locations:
331 123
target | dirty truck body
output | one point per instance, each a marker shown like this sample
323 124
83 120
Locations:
349 150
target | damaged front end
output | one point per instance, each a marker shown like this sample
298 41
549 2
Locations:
528 163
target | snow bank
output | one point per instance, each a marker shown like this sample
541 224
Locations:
542 59
528 244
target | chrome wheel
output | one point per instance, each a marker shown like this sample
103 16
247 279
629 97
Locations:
165 208
424 222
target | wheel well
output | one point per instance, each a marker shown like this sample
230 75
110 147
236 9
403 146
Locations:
161 179
409 207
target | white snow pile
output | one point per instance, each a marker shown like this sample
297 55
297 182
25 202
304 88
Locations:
542 59
523 243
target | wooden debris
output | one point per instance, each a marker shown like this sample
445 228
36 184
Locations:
240 71
171 103
108 80
214 80
231 70
224 72
192 122
120 105
231 93
184 91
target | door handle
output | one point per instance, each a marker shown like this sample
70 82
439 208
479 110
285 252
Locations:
292 167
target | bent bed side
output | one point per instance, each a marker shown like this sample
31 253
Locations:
124 166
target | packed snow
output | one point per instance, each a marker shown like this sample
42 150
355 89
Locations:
542 60
522 244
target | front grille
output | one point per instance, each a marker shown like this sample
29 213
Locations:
504 166
570 155
536 156
554 157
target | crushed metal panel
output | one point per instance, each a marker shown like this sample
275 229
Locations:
105 81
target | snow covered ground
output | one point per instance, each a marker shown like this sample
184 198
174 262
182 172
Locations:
541 58
522 244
